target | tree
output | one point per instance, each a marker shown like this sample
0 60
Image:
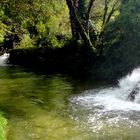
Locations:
108 14
110 7
79 18
81 14
45 22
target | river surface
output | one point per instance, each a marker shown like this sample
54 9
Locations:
55 107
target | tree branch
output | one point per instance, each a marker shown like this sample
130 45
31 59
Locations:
90 4
105 11
112 11
78 24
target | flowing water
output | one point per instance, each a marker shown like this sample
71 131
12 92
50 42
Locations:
55 107
107 111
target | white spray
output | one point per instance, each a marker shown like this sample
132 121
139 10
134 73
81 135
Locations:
3 59
110 103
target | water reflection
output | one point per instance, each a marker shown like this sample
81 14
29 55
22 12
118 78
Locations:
35 106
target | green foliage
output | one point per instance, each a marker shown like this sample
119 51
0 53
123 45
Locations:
55 23
46 21
97 13
121 39
26 42
3 27
3 123
3 31
42 20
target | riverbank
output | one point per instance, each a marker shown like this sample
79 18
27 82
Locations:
71 60
68 60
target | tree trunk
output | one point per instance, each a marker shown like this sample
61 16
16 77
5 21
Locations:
88 15
76 25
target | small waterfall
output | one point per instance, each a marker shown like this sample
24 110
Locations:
131 80
113 98
4 59
109 107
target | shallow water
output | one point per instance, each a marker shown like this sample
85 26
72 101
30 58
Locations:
55 107
37 106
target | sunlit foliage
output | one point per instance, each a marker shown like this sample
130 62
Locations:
46 22
42 20
3 123
98 12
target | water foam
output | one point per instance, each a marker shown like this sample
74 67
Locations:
109 106
113 98
3 59
130 80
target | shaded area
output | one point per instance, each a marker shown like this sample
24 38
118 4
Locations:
69 59
121 38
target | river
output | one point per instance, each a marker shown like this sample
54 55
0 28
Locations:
55 107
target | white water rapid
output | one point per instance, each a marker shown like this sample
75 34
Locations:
3 59
108 108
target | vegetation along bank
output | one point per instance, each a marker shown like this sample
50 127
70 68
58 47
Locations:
85 37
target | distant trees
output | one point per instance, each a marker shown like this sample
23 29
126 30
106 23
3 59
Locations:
37 22
46 22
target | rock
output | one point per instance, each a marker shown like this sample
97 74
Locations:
133 93
36 100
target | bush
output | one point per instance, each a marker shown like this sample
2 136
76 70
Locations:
26 42
122 38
